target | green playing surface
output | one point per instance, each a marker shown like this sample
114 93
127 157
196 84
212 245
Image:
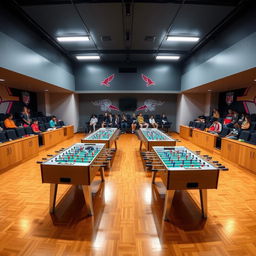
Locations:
153 135
101 135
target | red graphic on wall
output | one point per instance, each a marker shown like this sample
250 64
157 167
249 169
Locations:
148 81
249 100
107 80
6 99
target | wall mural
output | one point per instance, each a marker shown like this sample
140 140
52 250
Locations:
150 105
249 100
149 82
105 105
6 99
106 81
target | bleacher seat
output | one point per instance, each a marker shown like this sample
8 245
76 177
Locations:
2 116
42 127
2 124
244 135
202 126
47 126
197 125
224 132
252 139
20 132
253 117
11 134
191 124
28 130
253 126
61 123
3 137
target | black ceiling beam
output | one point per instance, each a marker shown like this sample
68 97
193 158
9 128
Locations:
61 2
128 52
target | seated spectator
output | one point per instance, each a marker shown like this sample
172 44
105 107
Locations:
105 120
228 119
53 122
234 133
200 119
9 123
124 123
93 123
35 127
25 117
215 114
246 124
141 122
153 122
134 122
215 128
117 121
110 121
164 120
241 119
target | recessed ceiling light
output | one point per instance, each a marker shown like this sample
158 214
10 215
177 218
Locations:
209 90
46 90
182 38
167 57
73 38
2 80
86 57
254 80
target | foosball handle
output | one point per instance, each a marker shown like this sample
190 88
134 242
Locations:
50 155
224 169
39 162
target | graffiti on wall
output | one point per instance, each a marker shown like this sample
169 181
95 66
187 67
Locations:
6 99
105 105
249 100
150 105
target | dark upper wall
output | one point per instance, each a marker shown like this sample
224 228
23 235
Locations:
230 52
22 50
92 104
90 75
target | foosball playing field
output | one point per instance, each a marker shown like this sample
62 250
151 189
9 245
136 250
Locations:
77 154
154 134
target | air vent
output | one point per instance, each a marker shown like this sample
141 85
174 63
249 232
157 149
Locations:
106 38
149 38
127 70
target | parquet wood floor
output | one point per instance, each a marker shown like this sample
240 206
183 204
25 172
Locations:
129 222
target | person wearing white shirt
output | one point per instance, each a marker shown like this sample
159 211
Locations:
93 122
153 122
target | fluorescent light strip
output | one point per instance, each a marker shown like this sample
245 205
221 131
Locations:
182 38
167 57
73 38
84 57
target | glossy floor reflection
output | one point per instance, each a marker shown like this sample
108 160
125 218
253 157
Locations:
128 213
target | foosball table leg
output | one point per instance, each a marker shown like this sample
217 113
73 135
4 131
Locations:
53 195
88 198
140 145
168 204
102 174
115 144
203 199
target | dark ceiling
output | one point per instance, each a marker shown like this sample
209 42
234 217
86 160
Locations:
128 30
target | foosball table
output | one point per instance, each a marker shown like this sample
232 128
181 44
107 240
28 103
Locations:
76 165
107 136
181 169
150 137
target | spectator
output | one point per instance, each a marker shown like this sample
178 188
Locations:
9 123
141 122
25 117
215 114
246 123
228 119
93 123
124 123
215 128
200 119
134 122
110 120
241 119
35 127
153 122
117 121
105 120
164 120
53 122
234 133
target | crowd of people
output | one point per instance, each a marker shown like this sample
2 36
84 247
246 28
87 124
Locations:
124 122
26 120
233 120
